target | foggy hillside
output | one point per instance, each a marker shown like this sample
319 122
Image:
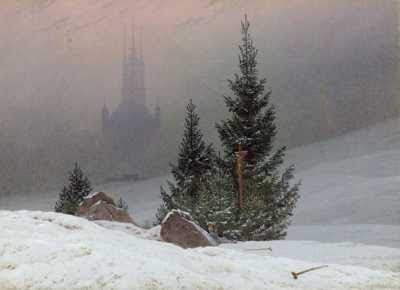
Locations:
350 194
332 67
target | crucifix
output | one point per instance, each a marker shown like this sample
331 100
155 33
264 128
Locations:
240 155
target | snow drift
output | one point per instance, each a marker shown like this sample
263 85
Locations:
40 250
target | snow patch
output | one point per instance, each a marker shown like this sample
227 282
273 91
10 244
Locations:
38 251
182 213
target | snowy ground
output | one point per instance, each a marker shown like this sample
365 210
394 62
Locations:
372 234
53 251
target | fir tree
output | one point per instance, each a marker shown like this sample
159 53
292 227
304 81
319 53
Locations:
72 195
270 199
195 159
122 204
252 117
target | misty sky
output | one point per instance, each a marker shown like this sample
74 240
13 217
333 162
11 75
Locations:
329 63
69 52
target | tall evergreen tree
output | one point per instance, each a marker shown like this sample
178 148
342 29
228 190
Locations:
270 199
195 159
72 195
252 117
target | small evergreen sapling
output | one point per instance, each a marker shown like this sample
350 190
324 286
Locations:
65 202
122 204
72 195
166 206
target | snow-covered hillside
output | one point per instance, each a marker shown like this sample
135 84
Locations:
41 250
350 187
354 179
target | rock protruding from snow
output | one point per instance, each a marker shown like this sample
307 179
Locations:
96 197
178 229
99 206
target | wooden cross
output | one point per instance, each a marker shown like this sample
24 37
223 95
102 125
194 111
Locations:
240 155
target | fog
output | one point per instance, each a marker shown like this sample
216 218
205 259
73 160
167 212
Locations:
331 65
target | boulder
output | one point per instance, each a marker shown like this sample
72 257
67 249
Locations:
177 228
93 198
99 206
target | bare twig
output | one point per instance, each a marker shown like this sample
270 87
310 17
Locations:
261 249
296 275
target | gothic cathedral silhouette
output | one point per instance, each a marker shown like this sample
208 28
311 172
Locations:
131 127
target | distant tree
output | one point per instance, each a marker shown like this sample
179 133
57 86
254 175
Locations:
195 159
72 195
270 199
122 204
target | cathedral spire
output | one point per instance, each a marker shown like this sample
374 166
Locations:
125 54
158 113
141 66
140 71
125 66
133 90
105 117
133 48
141 45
